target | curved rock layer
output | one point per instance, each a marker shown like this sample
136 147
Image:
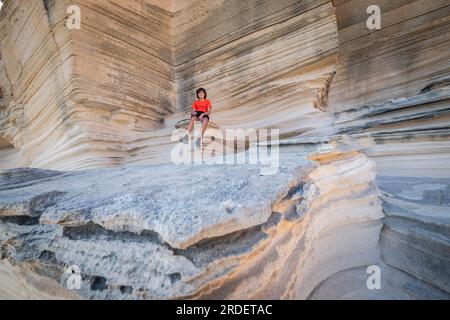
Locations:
406 55
279 247
391 92
105 94
74 97
104 102
142 245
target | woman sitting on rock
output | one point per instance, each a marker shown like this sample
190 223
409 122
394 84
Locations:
200 111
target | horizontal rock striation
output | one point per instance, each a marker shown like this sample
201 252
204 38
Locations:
409 140
408 53
134 64
391 93
90 119
407 137
74 98
415 237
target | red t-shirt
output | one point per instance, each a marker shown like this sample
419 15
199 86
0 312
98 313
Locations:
201 105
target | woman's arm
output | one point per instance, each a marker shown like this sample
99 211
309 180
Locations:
209 109
205 113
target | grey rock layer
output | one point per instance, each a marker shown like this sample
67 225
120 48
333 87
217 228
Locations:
232 241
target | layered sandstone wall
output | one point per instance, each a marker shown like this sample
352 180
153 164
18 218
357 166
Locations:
134 64
73 98
407 54
391 90
113 92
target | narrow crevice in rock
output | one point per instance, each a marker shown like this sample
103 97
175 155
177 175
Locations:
231 244
93 231
20 220
49 6
435 85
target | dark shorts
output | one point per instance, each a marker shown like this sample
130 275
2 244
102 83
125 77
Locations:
198 113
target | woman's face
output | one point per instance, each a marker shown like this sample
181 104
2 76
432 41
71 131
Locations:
201 95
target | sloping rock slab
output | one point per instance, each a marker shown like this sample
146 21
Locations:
183 204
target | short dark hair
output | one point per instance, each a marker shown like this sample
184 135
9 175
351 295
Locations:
198 91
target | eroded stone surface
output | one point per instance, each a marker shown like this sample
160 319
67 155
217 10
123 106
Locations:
209 200
113 92
125 262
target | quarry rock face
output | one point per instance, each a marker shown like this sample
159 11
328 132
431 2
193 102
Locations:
92 205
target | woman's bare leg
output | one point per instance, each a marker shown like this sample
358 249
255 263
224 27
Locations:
191 124
205 124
